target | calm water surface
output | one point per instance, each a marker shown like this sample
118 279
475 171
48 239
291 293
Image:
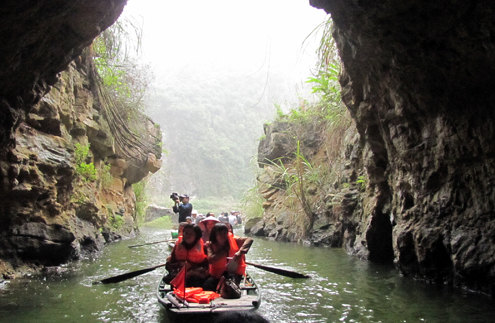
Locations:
342 289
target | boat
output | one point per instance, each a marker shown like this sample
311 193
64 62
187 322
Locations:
178 311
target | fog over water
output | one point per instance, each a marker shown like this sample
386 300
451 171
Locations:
253 36
220 69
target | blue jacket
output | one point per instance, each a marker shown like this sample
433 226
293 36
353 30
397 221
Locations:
184 211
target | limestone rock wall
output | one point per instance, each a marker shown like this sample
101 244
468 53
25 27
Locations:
40 39
51 217
48 104
417 79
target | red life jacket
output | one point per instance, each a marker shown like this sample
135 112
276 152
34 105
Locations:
196 295
217 268
196 255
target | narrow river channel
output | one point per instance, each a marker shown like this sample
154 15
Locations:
342 289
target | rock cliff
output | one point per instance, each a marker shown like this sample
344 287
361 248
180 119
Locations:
50 105
417 80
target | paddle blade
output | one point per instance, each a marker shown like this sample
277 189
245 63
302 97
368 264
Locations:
132 274
279 271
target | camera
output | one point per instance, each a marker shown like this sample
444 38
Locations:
174 196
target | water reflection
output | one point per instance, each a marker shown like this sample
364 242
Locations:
342 289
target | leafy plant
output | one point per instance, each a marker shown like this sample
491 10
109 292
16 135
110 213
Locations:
116 221
104 174
362 182
85 171
141 199
115 53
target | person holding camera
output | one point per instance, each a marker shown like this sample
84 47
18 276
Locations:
182 206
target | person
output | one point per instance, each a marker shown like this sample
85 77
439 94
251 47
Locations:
200 218
240 317
190 249
183 207
206 226
239 217
210 214
232 218
194 215
223 217
221 246
189 219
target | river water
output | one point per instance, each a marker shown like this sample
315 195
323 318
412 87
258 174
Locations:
341 289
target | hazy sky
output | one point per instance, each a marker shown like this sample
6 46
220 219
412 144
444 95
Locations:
254 35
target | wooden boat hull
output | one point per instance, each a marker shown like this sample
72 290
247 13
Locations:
249 301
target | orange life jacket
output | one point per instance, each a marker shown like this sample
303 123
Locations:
196 295
196 255
217 268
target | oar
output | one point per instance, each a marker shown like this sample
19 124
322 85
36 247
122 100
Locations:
144 244
119 278
279 271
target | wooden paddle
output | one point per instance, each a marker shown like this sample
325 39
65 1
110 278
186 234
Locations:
132 274
144 244
279 271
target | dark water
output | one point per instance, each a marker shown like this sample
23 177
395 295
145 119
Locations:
342 289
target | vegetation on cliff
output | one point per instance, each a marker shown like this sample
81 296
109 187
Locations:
301 158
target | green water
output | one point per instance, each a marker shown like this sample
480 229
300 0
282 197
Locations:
342 289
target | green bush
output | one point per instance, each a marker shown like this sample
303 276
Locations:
105 176
141 199
117 221
85 171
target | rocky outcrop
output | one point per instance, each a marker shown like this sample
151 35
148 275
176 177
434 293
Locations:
417 81
39 41
50 103
53 215
154 212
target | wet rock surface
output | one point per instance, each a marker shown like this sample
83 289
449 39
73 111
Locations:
47 106
416 79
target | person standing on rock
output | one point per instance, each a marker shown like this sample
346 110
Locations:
183 207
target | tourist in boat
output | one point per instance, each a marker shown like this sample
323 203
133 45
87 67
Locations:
200 218
232 218
194 216
239 217
183 207
206 226
223 218
189 250
226 255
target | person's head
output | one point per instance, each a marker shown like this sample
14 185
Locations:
219 233
191 234
210 214
209 223
184 198
194 213
189 219
240 317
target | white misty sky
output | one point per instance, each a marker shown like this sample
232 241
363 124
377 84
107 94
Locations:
251 35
